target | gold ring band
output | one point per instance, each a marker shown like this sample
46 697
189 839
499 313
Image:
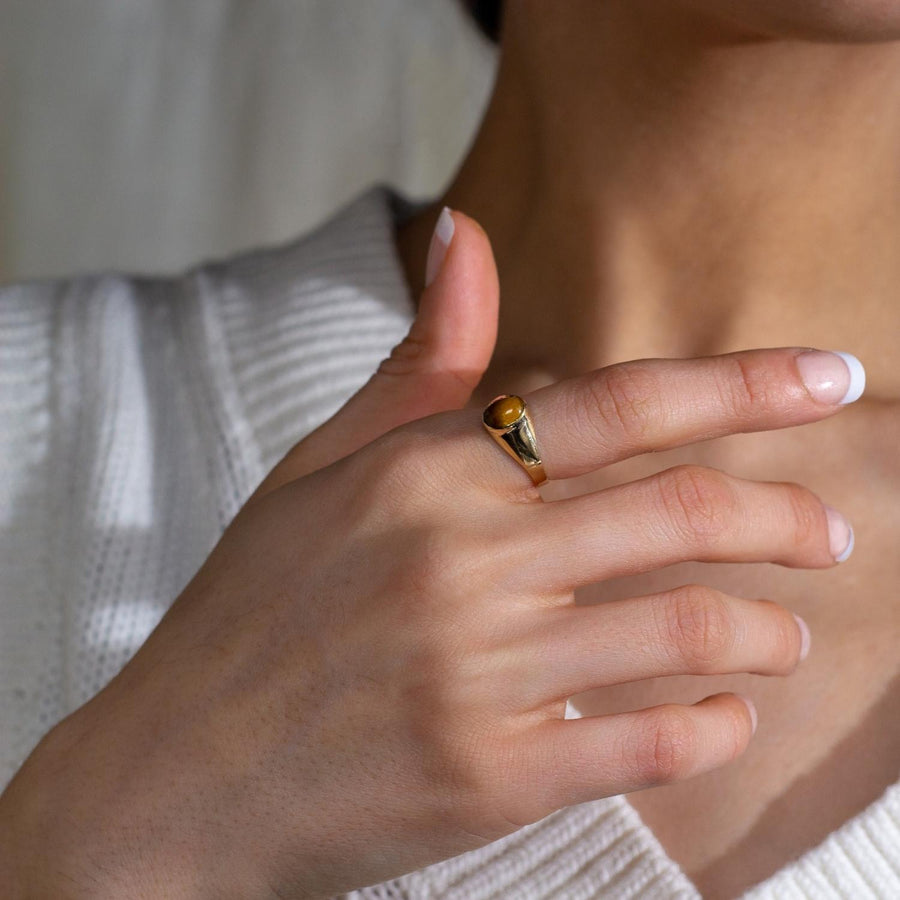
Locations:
507 421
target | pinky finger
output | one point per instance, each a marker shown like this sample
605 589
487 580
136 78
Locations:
593 757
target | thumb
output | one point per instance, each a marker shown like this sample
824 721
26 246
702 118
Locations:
434 368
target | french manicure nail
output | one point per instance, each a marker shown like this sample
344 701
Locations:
440 241
832 376
840 535
751 706
804 637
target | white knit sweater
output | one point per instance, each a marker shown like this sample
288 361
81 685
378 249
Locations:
136 417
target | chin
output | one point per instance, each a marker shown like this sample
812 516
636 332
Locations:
845 21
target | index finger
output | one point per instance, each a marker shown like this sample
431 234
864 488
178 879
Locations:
610 414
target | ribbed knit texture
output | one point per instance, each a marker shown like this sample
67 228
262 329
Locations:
136 417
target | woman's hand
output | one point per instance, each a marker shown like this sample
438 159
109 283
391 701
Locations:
369 672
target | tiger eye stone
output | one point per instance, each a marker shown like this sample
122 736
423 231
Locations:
504 411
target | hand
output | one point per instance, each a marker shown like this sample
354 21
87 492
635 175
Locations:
369 672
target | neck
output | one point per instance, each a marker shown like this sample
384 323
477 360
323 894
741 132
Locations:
670 187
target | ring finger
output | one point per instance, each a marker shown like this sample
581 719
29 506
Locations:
681 514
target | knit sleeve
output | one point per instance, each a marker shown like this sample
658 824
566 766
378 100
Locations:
29 650
118 472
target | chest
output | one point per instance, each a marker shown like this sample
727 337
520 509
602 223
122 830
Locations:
828 742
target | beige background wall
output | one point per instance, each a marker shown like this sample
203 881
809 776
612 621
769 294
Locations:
146 135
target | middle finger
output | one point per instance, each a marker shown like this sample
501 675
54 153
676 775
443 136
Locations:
687 513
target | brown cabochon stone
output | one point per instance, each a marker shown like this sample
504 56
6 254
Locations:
504 411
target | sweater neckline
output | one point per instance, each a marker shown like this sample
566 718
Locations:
859 859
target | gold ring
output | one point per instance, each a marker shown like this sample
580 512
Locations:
507 421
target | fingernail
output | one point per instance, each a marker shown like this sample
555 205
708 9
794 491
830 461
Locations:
840 535
832 376
752 707
804 637
440 241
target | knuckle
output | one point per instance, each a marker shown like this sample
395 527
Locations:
436 560
443 723
739 731
700 628
394 485
516 790
627 400
806 516
698 502
405 357
401 465
745 389
467 761
784 638
459 771
666 746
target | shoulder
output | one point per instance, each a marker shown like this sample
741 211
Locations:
269 342
352 251
344 277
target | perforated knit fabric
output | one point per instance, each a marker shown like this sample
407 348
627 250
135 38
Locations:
136 417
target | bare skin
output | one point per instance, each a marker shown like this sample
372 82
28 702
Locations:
657 182
369 672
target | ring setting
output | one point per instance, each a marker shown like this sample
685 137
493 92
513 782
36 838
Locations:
507 421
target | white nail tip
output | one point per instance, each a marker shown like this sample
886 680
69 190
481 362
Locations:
849 548
445 226
440 241
857 376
